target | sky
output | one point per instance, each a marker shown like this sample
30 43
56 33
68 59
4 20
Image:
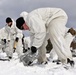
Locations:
13 8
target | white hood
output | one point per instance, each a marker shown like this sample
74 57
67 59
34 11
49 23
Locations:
24 13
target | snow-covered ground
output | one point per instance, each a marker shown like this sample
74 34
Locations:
14 67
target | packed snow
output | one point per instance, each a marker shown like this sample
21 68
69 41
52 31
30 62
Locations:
15 67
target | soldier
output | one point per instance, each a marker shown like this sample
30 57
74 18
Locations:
15 38
40 22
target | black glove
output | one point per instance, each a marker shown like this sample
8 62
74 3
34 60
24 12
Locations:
4 40
16 39
33 49
28 48
24 50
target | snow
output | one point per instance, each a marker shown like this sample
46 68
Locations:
15 67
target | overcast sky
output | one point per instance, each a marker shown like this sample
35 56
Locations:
13 8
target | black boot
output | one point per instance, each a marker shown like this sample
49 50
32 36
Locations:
10 57
68 60
72 63
57 61
44 62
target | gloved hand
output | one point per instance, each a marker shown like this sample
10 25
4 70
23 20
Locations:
16 39
24 50
29 56
4 41
33 49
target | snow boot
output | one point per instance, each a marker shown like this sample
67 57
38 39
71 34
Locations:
72 63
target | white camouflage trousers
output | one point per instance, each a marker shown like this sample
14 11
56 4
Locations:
19 49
